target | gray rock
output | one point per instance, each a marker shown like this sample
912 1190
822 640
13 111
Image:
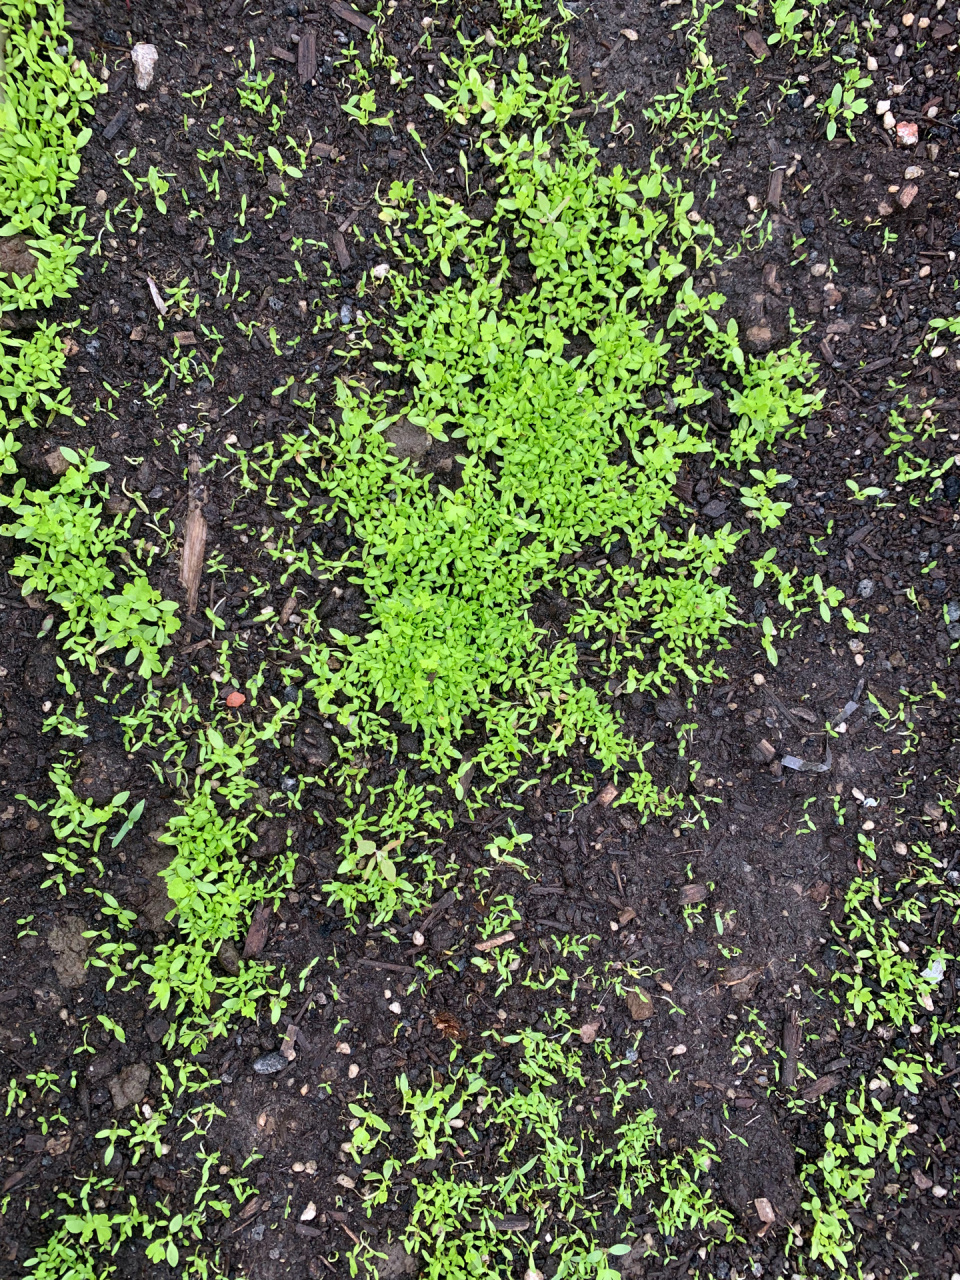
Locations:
229 957
865 588
669 709
715 509
408 441
69 948
130 1086
270 1063
953 611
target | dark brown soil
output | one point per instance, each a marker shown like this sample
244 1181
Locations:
595 866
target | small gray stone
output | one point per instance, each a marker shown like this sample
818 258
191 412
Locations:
865 588
953 611
130 1085
270 1063
229 957
69 948
953 631
715 509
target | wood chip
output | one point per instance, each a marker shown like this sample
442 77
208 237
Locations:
498 941
256 938
289 1040
691 893
607 796
284 54
14 1178
111 130
640 1005
340 249
194 536
775 187
307 55
348 14
819 1087
756 44
325 151
185 338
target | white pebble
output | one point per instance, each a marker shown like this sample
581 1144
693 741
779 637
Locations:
144 59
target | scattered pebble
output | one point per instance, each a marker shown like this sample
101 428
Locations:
883 106
677 1050
758 679
270 1063
235 699
865 588
418 938
144 59
343 1047
353 1072
907 133
912 171
344 1181
908 195
889 120
395 1007
309 1213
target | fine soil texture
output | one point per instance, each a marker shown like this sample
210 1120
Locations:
478 677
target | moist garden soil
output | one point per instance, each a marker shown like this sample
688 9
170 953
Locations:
596 869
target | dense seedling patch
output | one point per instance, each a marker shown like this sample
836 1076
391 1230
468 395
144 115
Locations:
574 404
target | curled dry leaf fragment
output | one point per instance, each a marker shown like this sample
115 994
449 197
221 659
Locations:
144 59
630 34
235 699
344 1181
157 297
498 941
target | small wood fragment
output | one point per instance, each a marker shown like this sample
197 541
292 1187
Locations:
284 54
194 536
325 151
348 14
756 44
111 129
340 249
256 938
307 55
775 187
498 941
819 1087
